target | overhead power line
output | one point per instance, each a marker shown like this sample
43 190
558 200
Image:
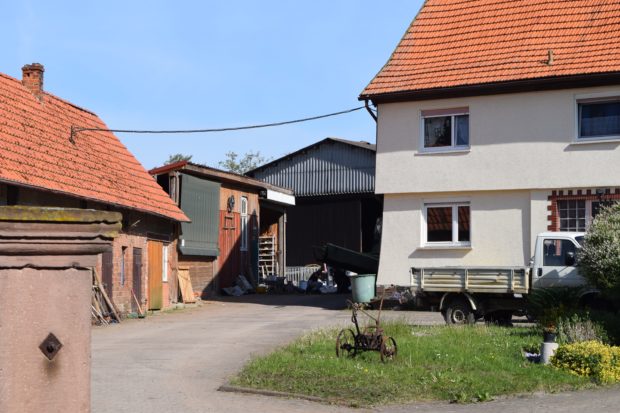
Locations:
76 129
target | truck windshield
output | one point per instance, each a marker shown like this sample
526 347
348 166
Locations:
580 240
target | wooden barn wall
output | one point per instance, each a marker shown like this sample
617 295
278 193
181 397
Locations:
232 261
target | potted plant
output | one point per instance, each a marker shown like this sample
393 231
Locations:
548 320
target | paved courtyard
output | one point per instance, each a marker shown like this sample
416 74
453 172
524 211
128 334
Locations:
176 361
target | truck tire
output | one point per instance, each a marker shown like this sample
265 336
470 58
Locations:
458 311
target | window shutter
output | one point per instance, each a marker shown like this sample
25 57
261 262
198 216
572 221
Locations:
200 200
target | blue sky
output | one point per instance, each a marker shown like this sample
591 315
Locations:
209 64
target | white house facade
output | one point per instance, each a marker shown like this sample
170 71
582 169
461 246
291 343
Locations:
472 172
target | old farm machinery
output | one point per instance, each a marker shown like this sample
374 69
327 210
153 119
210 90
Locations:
371 338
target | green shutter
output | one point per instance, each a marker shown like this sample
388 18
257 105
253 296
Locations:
200 200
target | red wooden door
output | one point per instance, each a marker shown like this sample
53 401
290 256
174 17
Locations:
155 263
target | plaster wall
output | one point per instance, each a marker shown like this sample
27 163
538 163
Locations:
517 141
504 225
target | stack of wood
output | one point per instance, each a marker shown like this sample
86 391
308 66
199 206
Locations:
102 308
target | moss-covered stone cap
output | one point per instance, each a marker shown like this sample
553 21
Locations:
46 214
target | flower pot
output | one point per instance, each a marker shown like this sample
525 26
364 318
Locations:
549 337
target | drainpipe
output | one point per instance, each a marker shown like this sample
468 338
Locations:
370 110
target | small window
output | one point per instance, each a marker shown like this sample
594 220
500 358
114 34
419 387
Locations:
573 215
164 263
447 224
445 129
123 252
577 215
244 223
599 119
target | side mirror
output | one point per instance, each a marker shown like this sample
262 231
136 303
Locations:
569 259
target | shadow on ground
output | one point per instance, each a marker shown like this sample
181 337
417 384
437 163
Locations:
325 301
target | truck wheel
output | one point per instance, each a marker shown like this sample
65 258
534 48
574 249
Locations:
459 311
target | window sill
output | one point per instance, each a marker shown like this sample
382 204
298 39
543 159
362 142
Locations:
442 151
589 141
446 247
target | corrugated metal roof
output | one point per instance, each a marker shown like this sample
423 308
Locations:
329 167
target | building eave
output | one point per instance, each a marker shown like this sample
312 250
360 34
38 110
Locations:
496 88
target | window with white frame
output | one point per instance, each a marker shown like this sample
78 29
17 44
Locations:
244 223
576 215
445 129
598 118
447 224
164 263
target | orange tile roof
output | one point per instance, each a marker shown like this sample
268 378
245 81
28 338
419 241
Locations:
35 151
454 43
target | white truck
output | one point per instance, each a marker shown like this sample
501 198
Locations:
464 294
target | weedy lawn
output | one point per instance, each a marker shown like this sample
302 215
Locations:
462 364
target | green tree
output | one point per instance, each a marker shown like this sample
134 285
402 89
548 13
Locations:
177 157
600 257
248 162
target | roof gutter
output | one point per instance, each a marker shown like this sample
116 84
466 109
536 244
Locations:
512 86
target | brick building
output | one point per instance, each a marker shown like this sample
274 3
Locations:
44 162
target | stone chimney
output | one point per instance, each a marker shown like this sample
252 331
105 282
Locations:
32 78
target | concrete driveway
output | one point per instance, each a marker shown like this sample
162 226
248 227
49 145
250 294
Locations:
176 361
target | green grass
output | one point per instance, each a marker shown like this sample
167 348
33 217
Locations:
434 363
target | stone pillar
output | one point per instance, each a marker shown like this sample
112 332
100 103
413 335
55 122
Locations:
47 256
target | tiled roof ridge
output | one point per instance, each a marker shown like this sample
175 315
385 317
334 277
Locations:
51 95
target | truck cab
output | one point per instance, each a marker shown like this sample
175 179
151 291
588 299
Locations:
555 260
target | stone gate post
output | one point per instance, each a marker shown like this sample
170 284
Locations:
47 257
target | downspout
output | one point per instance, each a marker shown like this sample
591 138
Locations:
370 110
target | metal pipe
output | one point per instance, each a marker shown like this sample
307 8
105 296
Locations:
370 110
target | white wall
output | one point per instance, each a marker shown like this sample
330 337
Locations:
518 141
500 232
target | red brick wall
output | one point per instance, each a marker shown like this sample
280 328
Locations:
121 293
202 273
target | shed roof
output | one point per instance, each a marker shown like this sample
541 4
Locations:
460 43
217 175
36 152
332 166
360 144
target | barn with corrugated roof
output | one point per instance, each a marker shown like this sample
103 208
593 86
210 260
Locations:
334 183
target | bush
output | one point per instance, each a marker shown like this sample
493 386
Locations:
600 256
610 322
591 359
579 328
549 305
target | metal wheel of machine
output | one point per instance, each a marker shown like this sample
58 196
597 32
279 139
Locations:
459 311
345 343
388 349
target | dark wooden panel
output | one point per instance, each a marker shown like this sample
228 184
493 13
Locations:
137 277
107 270
313 223
229 261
